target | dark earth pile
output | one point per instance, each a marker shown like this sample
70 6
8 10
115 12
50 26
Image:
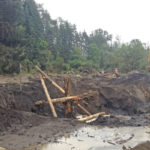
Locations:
127 99
143 146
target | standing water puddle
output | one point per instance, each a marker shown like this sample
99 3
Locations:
101 138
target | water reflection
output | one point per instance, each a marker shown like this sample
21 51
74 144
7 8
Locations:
94 138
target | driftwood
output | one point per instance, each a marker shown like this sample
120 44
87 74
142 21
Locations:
48 98
50 80
57 100
83 109
92 116
83 96
67 94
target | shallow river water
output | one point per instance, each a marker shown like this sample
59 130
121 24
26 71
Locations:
100 138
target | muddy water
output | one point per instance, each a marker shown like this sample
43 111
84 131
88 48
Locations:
98 138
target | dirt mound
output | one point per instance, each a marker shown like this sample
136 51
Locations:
128 95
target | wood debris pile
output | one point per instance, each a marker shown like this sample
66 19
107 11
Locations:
67 100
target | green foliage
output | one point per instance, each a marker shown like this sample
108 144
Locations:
28 35
32 23
45 60
94 55
77 59
134 55
10 58
128 57
58 64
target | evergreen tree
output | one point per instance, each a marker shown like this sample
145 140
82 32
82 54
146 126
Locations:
29 35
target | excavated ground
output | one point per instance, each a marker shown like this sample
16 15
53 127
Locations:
22 123
143 146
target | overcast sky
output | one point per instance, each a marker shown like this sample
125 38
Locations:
129 19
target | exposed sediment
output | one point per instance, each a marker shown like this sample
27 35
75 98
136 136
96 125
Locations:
127 99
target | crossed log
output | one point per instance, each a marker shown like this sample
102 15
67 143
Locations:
66 92
75 99
70 98
48 97
50 80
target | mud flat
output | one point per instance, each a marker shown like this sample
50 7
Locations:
100 138
24 129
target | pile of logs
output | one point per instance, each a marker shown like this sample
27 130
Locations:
68 99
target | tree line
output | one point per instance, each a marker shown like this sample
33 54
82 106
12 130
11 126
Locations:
29 36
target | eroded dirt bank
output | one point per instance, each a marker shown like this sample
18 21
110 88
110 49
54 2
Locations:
143 146
127 99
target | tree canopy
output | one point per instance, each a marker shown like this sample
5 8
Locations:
29 36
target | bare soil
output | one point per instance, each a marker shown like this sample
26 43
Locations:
143 146
22 123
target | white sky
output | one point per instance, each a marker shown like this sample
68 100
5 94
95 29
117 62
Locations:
130 19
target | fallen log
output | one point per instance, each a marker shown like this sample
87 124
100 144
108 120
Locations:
64 99
49 79
83 109
67 93
68 103
48 98
92 116
83 96
68 108
56 100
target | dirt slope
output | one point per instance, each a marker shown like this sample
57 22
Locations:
128 95
127 99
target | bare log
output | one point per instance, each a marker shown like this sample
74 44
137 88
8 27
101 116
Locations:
83 96
57 100
48 98
67 87
92 116
49 79
64 99
67 94
83 109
